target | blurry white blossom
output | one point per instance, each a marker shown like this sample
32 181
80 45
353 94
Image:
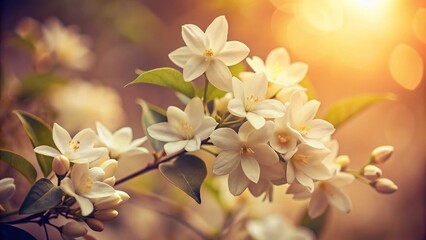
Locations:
277 228
79 149
80 104
184 129
249 101
7 189
66 45
120 143
209 53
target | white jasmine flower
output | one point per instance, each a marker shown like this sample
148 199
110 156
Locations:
120 142
79 104
249 101
283 140
306 165
79 149
277 228
184 129
209 53
301 118
7 189
268 176
241 154
85 185
67 45
278 69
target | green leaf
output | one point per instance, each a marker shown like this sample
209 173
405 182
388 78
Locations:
350 107
150 115
317 224
237 69
42 196
9 232
40 134
19 163
187 173
166 77
37 84
212 92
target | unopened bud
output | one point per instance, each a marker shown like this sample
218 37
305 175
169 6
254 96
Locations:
343 161
106 214
7 189
108 202
95 224
384 185
60 165
381 154
74 229
109 167
110 181
123 195
372 172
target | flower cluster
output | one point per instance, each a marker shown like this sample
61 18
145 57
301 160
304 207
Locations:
85 166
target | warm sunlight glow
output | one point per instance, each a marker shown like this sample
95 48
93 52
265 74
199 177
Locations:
406 66
419 24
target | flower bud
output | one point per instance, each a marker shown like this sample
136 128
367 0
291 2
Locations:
95 224
109 167
60 165
74 229
106 214
108 202
343 161
7 189
384 185
110 181
124 196
372 172
381 154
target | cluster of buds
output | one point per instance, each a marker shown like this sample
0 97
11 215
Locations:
373 173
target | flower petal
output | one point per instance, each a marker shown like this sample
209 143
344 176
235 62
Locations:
194 38
194 67
85 205
195 112
233 52
342 179
255 120
219 75
317 171
137 142
104 134
237 181
61 138
293 74
98 190
206 128
238 89
180 56
256 63
264 154
78 172
90 155
86 138
251 168
68 187
269 108
290 173
319 128
47 151
236 108
277 57
339 199
262 135
217 33
226 139
258 188
305 181
163 132
122 138
256 86
318 204
173 147
193 144
226 162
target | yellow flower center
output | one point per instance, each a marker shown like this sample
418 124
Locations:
276 71
74 145
251 102
246 150
303 129
283 138
88 184
186 130
208 54
299 158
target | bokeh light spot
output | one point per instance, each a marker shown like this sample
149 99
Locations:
406 66
323 15
419 24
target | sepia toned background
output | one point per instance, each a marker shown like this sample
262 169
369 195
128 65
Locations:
352 47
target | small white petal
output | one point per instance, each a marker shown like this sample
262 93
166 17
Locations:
90 155
85 205
195 112
255 120
261 135
86 138
173 147
308 111
194 38
251 168
180 56
264 154
193 144
278 57
206 128
256 86
137 142
260 187
305 181
317 171
342 179
319 128
226 162
293 74
98 190
68 187
217 33
163 132
256 63
269 108
47 151
122 138
78 172
339 199
237 181
219 75
194 67
226 139
104 134
238 89
318 204
236 108
233 53
61 138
